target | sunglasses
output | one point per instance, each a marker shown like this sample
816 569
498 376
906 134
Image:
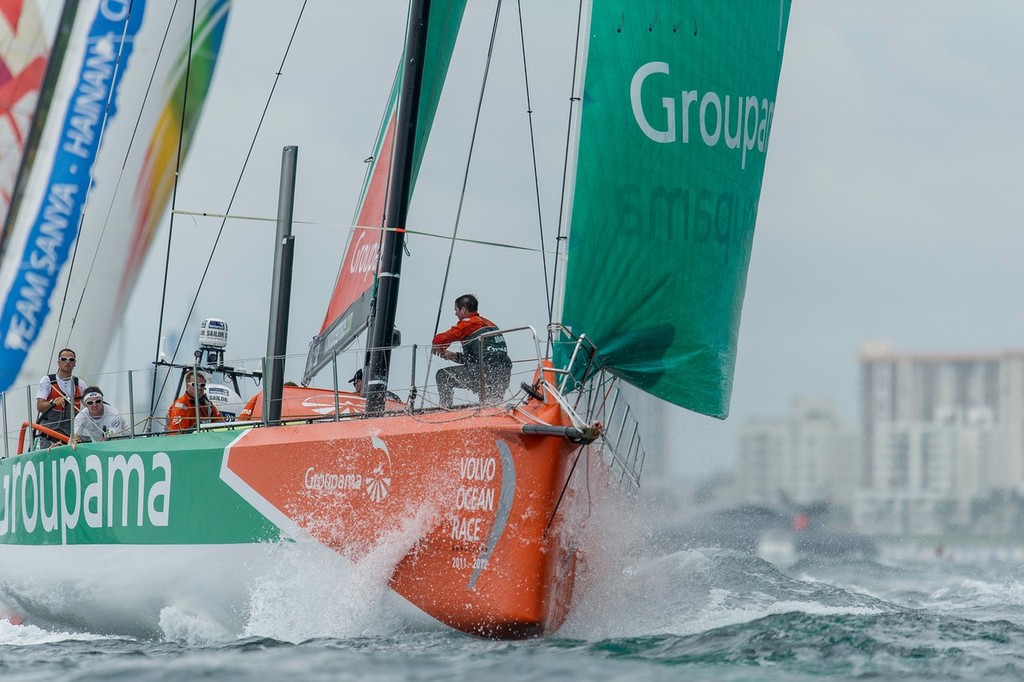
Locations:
192 383
68 360
90 403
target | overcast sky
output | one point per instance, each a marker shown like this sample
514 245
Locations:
889 211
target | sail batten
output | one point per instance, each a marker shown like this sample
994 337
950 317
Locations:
675 120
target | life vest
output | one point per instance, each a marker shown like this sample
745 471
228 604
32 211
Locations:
491 349
182 414
60 419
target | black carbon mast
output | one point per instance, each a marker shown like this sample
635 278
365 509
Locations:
385 303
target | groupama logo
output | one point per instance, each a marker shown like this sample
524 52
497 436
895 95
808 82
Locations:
58 494
742 122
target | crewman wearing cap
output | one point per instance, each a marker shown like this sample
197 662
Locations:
357 383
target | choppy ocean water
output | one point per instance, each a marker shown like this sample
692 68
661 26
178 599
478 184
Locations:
697 613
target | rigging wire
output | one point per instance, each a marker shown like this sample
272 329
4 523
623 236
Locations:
355 226
170 228
573 97
465 176
231 201
533 153
92 183
371 161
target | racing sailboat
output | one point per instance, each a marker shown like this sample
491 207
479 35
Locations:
474 516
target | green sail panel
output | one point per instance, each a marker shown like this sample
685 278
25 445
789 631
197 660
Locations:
677 106
442 32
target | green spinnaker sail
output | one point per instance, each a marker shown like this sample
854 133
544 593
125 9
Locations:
677 107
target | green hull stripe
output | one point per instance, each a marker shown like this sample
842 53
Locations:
160 490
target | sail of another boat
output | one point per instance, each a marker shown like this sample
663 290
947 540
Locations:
28 43
110 141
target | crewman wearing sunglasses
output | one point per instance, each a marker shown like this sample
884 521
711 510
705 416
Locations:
99 420
182 415
58 398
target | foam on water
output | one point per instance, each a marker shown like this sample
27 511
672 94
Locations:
631 586
289 591
693 591
310 591
642 612
12 634
998 596
190 628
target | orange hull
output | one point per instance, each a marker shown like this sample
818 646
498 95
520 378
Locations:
471 509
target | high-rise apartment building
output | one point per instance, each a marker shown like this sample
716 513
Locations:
808 455
938 431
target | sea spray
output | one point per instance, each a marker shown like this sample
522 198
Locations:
611 538
311 591
12 635
191 629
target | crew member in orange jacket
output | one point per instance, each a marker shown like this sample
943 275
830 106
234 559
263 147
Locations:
484 366
182 415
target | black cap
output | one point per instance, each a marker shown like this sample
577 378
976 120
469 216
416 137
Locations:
358 376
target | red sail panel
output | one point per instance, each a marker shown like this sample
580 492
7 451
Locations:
26 38
349 308
360 263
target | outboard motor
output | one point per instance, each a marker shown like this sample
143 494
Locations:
213 341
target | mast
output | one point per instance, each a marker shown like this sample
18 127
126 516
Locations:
386 301
281 289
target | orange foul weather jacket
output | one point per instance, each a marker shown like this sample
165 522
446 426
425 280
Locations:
182 415
468 329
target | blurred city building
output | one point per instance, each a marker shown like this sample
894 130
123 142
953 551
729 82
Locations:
653 421
806 456
943 438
